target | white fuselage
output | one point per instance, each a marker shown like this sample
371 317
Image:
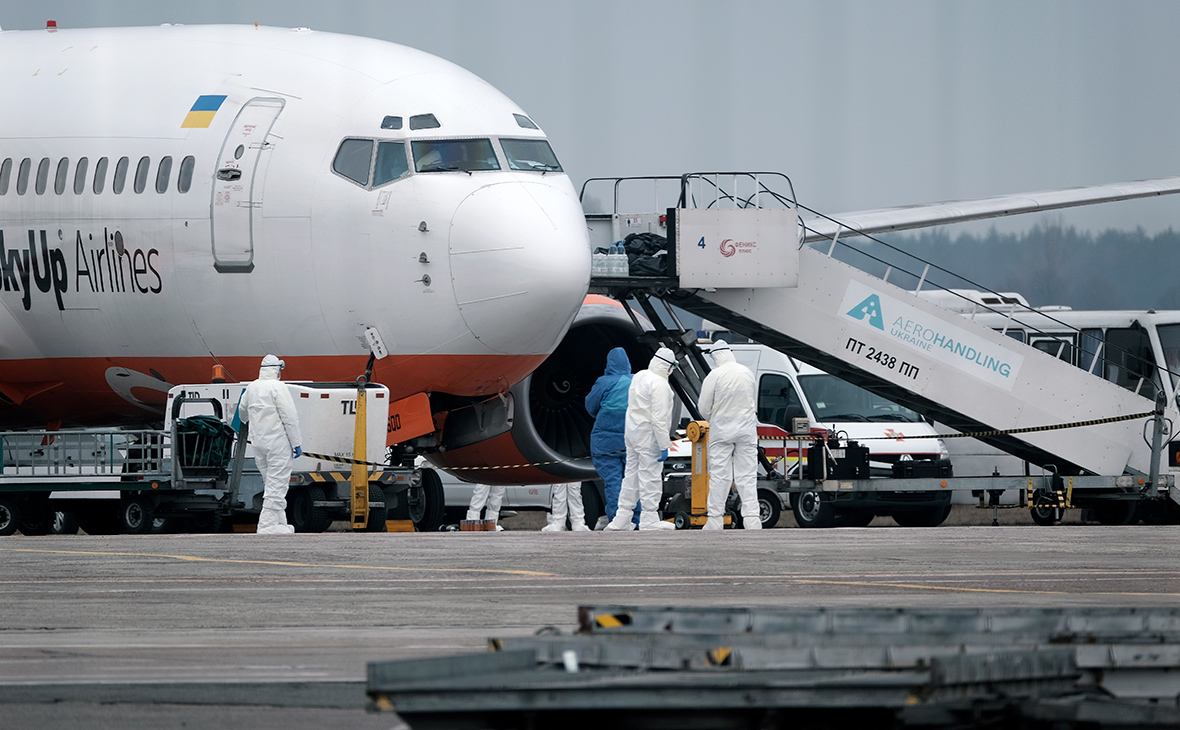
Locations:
470 277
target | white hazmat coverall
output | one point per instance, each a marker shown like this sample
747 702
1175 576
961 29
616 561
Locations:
728 400
567 500
274 433
649 423
492 497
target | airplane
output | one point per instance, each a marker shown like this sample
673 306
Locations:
178 201
178 198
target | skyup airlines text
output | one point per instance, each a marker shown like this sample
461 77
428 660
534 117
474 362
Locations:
106 265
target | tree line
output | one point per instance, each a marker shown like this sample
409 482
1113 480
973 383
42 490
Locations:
1049 264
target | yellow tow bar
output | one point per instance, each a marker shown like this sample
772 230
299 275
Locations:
360 470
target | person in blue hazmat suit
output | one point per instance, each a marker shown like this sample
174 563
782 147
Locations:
728 401
647 437
607 403
274 433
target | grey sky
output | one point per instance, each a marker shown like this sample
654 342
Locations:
863 103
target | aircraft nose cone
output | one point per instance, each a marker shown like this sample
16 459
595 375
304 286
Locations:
520 264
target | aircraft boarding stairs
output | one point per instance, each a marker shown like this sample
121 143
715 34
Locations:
741 260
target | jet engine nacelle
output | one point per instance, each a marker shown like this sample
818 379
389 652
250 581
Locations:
540 433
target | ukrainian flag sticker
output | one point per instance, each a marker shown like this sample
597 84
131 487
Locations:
201 115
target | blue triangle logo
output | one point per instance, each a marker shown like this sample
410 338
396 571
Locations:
871 308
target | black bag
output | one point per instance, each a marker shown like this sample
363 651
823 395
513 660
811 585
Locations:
647 254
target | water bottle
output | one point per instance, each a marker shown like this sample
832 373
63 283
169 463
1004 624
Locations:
618 260
599 264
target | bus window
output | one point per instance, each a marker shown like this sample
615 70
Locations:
1129 360
1170 342
778 402
1091 340
1060 346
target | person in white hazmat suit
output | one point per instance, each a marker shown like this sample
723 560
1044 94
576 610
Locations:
491 496
567 501
647 438
274 433
728 402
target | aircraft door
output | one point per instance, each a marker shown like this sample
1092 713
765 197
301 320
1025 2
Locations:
237 189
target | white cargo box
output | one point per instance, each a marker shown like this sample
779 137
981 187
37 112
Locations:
327 417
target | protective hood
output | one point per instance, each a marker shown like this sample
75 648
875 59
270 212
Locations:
721 353
617 362
661 363
271 366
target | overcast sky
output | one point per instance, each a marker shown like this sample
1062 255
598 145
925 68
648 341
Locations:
863 103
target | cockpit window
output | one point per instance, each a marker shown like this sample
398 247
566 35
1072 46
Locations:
444 155
352 159
524 121
530 154
424 121
391 162
391 123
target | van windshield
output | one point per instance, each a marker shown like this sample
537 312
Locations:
833 399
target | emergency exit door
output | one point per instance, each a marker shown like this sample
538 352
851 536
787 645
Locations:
237 189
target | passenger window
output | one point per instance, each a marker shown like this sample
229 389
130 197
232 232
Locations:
353 158
42 175
5 174
80 175
1129 359
120 176
141 174
530 154
1088 348
524 121
1017 335
185 181
778 402
391 162
444 155
424 121
100 175
22 176
163 174
1059 347
63 175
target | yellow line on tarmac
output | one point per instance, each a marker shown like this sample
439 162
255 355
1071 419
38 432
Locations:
195 559
919 586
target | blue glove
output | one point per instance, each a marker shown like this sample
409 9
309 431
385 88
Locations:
663 455
297 452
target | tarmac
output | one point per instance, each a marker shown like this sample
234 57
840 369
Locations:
170 631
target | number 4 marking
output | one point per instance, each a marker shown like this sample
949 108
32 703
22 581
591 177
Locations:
702 242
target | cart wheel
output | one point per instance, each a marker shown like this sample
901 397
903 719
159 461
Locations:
1046 515
64 523
302 512
35 516
206 522
682 521
769 509
9 516
735 520
136 515
377 515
